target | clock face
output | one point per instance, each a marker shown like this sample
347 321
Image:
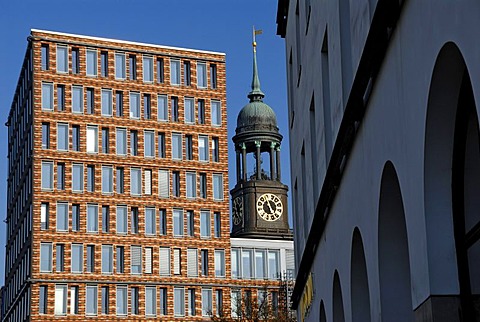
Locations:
237 210
269 207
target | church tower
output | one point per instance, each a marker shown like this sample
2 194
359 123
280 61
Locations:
259 198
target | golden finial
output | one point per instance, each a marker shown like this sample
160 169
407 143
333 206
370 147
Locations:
255 32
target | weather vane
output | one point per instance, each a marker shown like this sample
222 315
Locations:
255 32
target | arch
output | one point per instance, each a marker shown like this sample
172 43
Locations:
393 255
338 313
323 316
360 294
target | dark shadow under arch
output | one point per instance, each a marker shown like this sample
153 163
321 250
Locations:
360 294
338 313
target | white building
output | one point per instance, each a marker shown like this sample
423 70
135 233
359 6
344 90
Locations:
385 158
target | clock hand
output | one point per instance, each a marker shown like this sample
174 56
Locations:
269 207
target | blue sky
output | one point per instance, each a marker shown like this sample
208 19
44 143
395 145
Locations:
218 25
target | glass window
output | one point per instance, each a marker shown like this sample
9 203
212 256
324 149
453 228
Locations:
45 257
217 225
44 215
90 178
104 63
76 138
201 111
77 258
135 181
176 183
179 301
121 143
203 185
189 110
186 73
162 108
90 100
105 299
174 72
91 300
160 68
136 259
204 262
119 65
74 300
188 147
150 301
247 263
201 75
177 222
75 60
235 263
273 264
134 142
120 259
90 258
62 216
132 62
105 219
122 220
47 175
62 59
177 146
216 113
135 302
148 260
120 180
203 148
206 302
190 223
150 221
45 57
119 102
60 98
62 137
75 217
213 76
149 142
134 105
236 303
205 223
147 69
164 261
147 189
107 179
215 153
191 302
192 262
147 106
77 177
163 183
45 135
77 99
47 96
107 104
122 300
92 139
105 140
191 185
218 187
219 303
174 106
107 259
219 263
91 62
92 218
134 219
60 299
260 269
161 145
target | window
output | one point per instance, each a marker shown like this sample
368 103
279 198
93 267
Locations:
162 108
122 300
203 148
135 182
203 185
150 221
75 217
174 72
136 259
188 147
189 110
149 144
134 105
176 183
77 177
148 181
107 179
201 75
219 302
273 264
91 100
215 154
91 62
43 301
107 104
77 99
62 59
206 301
147 106
274 302
163 301
120 259
147 69
260 269
90 258
164 261
191 181
121 143
247 263
90 178
190 223
45 135
213 76
62 216
47 175
177 146
62 137
192 262
179 301
119 66
120 180
47 96
45 257
91 300
92 218
77 258
217 187
235 259
177 222
76 138
75 60
60 299
160 68
105 219
119 102
191 302
104 63
236 303
186 73
134 219
205 223
161 145
60 176
45 57
105 140
148 260
132 64
216 113
74 300
150 301
107 259
217 225
44 215
134 294
204 262
174 106
122 221
163 184
105 297
201 112
60 98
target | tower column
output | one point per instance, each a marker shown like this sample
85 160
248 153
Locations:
279 178
272 162
244 162
259 170
238 164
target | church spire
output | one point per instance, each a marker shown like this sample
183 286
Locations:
256 93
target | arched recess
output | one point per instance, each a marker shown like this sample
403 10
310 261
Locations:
393 255
360 295
323 316
338 313
452 184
